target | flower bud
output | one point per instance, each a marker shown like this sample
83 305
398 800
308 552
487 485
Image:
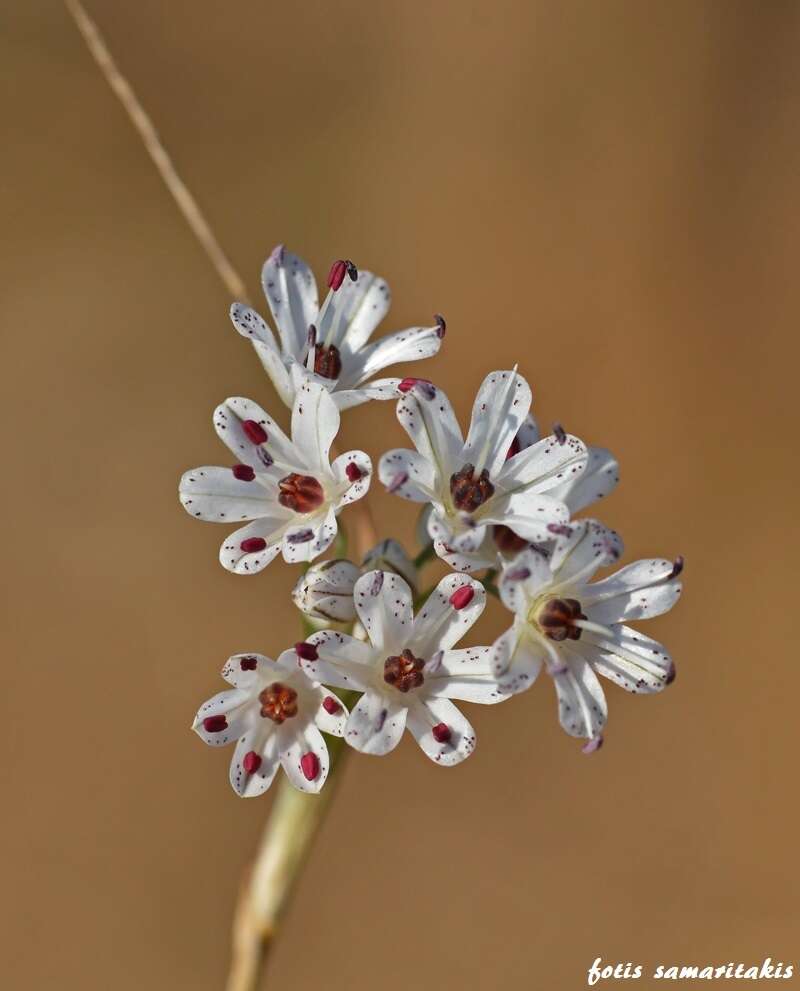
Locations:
388 555
325 591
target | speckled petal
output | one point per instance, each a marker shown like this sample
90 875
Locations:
630 659
383 603
516 660
408 475
638 591
582 709
412 344
431 424
376 723
295 743
424 715
215 495
439 625
261 741
466 675
291 292
597 480
500 407
315 423
583 547
242 561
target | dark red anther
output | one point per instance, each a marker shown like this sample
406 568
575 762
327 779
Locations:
278 702
442 733
404 671
424 386
255 432
677 567
310 765
441 325
462 597
337 274
312 335
592 745
515 447
251 762
248 663
306 651
469 492
353 472
327 361
331 705
252 545
670 675
560 434
215 724
243 472
507 541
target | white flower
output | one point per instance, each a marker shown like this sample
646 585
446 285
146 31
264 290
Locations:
274 713
473 486
500 544
288 488
325 591
576 628
330 344
407 668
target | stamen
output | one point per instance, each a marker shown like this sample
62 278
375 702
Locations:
302 493
677 567
469 492
441 325
330 705
278 702
518 574
306 651
353 472
441 733
352 271
312 335
424 386
252 545
337 274
251 762
462 597
560 529
244 473
327 361
310 765
560 434
215 724
593 745
248 663
301 537
255 432
670 675
560 619
403 672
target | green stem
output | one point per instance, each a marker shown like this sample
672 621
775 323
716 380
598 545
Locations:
426 554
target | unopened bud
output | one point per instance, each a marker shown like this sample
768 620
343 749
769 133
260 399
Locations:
325 591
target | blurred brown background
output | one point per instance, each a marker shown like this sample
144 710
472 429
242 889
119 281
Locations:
606 192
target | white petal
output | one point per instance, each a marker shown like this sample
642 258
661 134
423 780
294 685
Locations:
325 591
315 423
432 426
292 296
380 389
455 531
527 513
599 477
467 675
581 549
275 366
252 325
500 408
215 495
638 591
307 538
355 489
296 743
544 465
582 708
342 660
406 345
245 671
276 452
376 723
260 741
334 722
384 606
484 557
408 475
424 715
523 579
517 659
235 558
232 705
359 308
632 660
439 625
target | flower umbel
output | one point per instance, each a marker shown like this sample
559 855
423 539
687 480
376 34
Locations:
275 714
330 344
576 628
472 485
408 668
287 488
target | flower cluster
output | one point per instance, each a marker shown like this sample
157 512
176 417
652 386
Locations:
379 656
